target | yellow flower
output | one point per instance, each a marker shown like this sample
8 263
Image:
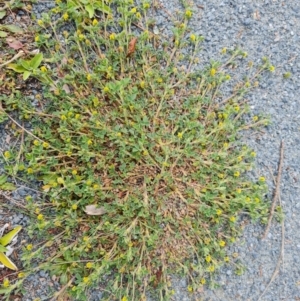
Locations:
202 281
29 247
63 117
224 50
106 89
211 268
142 84
239 190
219 211
37 38
60 180
179 135
271 68
236 109
30 170
74 207
226 259
208 258
21 275
124 298
222 243
192 37
112 36
212 71
227 77
43 69
146 5
40 22
138 15
253 154
90 142
86 279
89 265
133 10
262 179
88 77
188 13
160 80
221 175
45 144
237 174
57 223
190 289
239 158
36 142
7 154
6 282
95 22
65 16
40 217
232 219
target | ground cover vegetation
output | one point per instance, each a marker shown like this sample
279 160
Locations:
137 150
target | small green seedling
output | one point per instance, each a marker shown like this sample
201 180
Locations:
92 6
5 185
28 67
6 250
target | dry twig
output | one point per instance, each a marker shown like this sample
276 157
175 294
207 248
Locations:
276 193
281 255
62 290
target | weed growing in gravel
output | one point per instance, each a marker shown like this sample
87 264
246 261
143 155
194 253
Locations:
128 124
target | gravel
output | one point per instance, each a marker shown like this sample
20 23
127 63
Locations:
262 28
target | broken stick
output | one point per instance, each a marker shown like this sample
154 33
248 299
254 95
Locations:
276 193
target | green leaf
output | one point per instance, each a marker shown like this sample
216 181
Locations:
13 28
26 74
26 64
7 262
3 179
49 178
3 34
2 14
16 68
8 186
102 7
36 60
5 290
2 249
7 238
90 9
